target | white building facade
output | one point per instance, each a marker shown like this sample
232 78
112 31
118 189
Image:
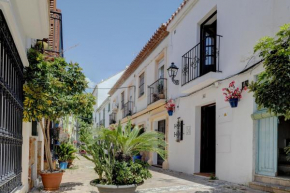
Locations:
21 23
141 92
102 106
211 42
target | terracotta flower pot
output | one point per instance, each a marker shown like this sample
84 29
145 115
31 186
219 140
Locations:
51 181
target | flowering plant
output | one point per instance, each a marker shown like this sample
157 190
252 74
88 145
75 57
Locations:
232 92
170 106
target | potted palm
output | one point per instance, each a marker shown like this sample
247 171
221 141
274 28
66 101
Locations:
53 88
112 152
65 153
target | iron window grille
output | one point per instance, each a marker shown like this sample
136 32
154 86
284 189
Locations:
11 110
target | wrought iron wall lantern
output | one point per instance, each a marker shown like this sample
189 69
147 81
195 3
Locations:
172 72
179 130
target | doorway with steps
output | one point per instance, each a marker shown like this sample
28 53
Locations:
283 141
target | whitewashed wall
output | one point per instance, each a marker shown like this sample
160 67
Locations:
242 24
101 93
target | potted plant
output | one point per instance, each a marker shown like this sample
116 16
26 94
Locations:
170 106
53 89
233 94
155 97
161 91
66 154
112 152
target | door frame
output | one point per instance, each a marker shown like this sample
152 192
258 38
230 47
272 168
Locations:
202 46
201 126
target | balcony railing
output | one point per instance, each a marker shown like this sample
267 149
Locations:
128 109
201 59
157 90
102 122
112 118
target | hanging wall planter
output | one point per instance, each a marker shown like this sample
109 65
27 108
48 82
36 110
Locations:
170 106
234 102
233 94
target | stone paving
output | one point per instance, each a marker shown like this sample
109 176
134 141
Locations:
77 180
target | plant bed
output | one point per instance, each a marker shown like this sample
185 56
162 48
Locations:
51 180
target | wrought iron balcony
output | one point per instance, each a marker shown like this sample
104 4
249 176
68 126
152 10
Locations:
128 109
102 122
157 90
112 118
201 59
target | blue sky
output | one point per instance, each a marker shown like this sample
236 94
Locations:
110 33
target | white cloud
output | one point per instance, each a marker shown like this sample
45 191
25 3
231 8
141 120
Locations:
91 84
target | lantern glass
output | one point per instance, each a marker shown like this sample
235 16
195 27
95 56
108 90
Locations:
172 70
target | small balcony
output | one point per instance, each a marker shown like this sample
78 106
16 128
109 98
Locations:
201 59
112 118
102 122
127 109
157 91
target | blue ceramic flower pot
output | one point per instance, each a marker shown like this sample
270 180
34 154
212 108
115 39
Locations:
234 102
137 157
62 165
170 112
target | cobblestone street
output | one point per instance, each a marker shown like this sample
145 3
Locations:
77 180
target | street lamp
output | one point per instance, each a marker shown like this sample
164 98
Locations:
172 72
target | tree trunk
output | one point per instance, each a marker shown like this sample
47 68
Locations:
46 144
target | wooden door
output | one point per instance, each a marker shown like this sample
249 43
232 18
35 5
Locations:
208 139
267 145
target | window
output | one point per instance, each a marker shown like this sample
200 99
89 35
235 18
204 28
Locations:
34 128
122 100
141 84
109 107
99 117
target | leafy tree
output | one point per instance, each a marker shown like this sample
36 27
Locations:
53 89
272 89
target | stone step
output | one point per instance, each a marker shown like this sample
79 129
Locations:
280 181
266 187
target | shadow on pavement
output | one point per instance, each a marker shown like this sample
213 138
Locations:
64 187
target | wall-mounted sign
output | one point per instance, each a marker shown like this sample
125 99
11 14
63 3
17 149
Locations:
188 130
